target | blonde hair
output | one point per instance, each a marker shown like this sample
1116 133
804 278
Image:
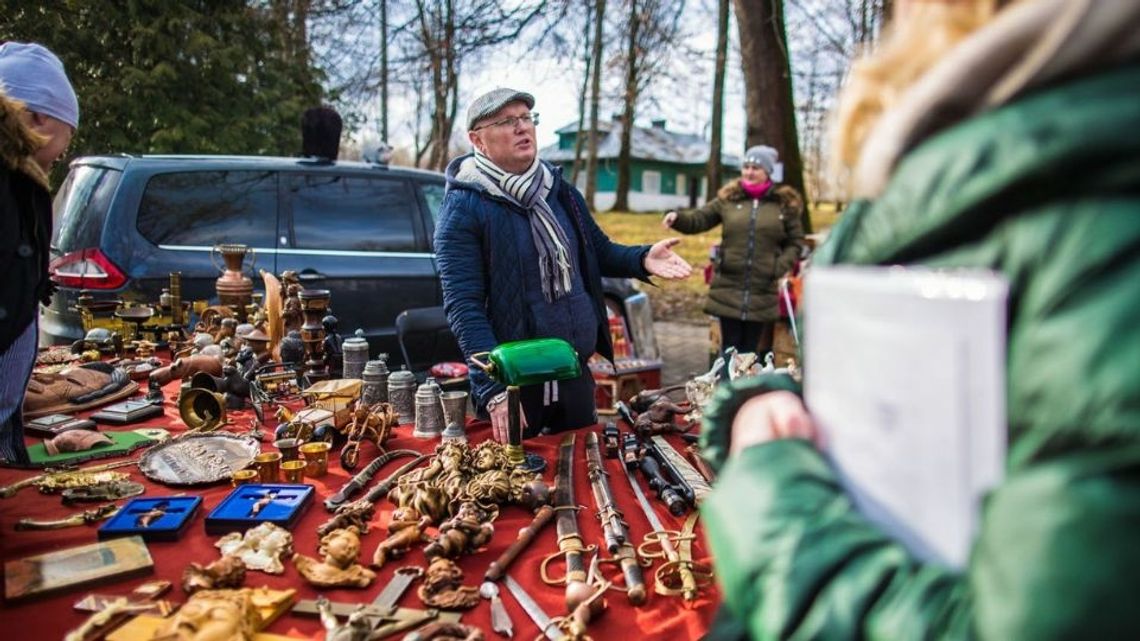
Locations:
911 46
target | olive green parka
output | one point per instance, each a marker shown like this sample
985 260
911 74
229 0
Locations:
760 241
1046 191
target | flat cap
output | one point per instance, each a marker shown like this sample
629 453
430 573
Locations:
494 100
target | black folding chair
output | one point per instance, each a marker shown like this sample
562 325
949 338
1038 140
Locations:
425 339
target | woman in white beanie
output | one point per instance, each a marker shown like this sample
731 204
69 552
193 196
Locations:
761 238
38 116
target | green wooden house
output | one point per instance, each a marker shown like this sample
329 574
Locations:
667 169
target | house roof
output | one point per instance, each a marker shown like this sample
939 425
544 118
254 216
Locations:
649 143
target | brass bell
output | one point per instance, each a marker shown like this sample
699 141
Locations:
201 409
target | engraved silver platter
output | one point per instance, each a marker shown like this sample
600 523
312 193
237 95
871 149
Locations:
197 459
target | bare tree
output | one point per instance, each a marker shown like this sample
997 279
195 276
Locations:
595 98
449 32
384 71
652 26
587 46
824 36
716 133
769 104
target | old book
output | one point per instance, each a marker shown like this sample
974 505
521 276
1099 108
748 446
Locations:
76 567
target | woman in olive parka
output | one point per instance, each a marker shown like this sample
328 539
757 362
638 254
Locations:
761 239
981 136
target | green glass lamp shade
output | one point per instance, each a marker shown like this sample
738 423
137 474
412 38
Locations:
531 361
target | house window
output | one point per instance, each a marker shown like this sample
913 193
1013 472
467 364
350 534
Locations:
650 182
682 185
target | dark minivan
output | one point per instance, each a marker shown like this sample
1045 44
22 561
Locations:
363 231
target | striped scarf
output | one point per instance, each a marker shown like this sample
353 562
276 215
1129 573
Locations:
530 190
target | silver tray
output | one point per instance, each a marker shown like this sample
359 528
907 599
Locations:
197 459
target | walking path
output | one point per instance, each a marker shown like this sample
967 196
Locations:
684 348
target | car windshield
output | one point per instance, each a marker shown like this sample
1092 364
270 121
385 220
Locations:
80 207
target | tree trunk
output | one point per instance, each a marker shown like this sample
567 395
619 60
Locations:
577 164
595 92
769 104
384 71
717 128
621 200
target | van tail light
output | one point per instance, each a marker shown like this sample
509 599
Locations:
86 269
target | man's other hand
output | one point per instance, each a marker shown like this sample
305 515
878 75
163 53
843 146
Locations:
664 262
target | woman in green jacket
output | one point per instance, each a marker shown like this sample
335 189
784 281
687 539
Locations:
761 238
1013 146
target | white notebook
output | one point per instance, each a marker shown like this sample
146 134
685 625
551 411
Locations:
904 373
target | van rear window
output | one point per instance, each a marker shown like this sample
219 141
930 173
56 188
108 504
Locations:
80 207
203 208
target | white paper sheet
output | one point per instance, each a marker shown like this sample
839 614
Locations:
905 376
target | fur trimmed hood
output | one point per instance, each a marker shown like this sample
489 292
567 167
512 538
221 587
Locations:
790 200
18 143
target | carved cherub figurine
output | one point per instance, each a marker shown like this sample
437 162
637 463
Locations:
339 567
659 419
261 548
443 587
356 514
467 531
406 529
226 572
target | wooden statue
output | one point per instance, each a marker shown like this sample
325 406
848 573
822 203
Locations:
213 615
406 529
443 587
659 419
467 531
356 514
339 568
226 572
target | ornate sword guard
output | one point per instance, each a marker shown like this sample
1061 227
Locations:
653 546
559 556
670 578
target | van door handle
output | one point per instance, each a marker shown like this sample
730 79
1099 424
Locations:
310 274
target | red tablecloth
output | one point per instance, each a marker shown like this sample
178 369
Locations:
661 618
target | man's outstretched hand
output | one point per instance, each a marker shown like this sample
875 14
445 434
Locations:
664 262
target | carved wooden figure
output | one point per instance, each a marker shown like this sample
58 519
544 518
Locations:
406 529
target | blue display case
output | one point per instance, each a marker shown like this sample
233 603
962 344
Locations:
281 504
154 518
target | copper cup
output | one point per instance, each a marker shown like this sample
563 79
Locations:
241 477
268 466
316 456
293 471
288 448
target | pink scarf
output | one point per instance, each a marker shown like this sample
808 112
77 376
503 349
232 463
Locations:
755 190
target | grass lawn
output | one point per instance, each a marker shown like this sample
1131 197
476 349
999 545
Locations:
682 300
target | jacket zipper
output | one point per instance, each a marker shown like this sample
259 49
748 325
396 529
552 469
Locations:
748 263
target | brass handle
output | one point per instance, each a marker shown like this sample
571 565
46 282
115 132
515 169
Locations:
487 366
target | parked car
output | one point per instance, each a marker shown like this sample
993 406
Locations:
363 231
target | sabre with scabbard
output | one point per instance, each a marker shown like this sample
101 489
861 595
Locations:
614 527
570 544
679 568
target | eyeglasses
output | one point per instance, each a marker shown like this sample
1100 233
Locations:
511 122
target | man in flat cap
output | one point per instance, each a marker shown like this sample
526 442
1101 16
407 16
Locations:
521 257
38 115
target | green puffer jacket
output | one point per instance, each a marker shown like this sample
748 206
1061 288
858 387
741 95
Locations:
1046 191
760 242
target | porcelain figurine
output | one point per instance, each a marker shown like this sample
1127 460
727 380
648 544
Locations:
261 548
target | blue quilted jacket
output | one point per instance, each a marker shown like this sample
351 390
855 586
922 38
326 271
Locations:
482 272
